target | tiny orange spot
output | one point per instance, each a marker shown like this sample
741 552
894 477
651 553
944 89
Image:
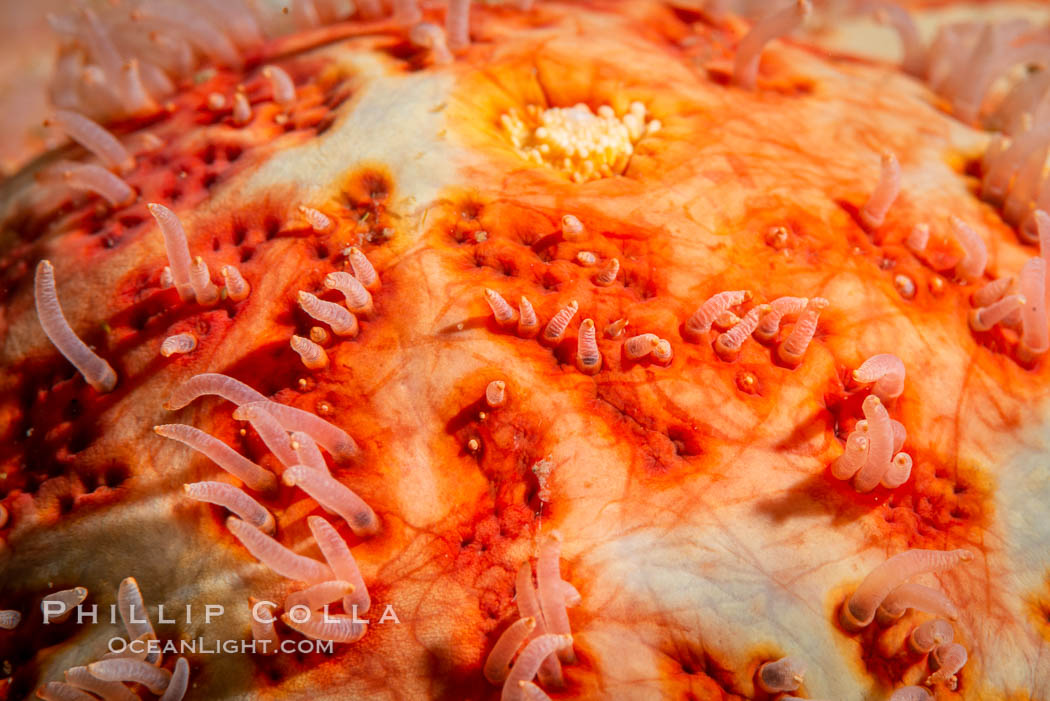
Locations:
747 382
937 285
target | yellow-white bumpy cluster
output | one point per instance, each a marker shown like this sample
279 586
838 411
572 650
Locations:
543 629
138 663
584 145
292 435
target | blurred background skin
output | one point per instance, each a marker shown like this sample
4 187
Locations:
28 48
27 57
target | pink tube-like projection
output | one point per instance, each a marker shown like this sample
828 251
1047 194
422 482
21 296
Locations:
781 307
180 681
497 665
528 323
317 596
177 248
334 627
529 607
880 445
338 556
96 139
341 320
228 496
873 213
269 429
702 319
528 662
886 370
96 371
784 674
277 557
949 659
128 670
263 631
552 600
358 298
61 691
221 454
212 383
792 350
852 458
749 51
457 24
92 178
861 606
333 495
930 634
502 312
555 328
975 252
911 693
81 678
916 596
588 357
728 344
1035 336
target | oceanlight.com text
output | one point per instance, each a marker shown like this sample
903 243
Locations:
200 646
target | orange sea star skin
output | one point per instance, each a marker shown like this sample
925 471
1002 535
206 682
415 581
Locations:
699 521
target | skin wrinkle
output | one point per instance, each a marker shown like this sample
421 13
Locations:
728 592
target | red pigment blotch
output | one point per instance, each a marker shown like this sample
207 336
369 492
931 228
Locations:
1039 608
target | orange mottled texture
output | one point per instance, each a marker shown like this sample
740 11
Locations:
698 518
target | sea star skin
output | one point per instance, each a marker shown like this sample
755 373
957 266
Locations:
699 522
